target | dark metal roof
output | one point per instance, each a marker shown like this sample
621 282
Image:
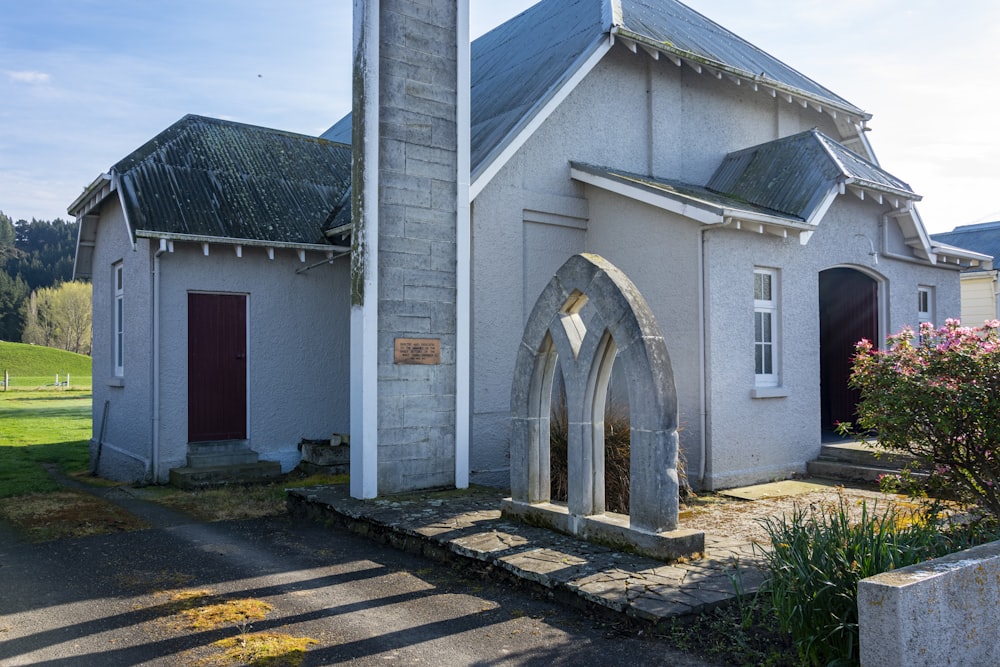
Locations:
983 238
518 66
675 27
214 178
795 174
696 195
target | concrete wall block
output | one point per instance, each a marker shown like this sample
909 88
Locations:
411 131
422 278
432 154
434 226
427 216
392 154
443 131
407 181
394 444
432 92
444 256
437 42
418 408
942 612
409 195
406 324
434 231
406 245
444 195
438 172
436 294
434 13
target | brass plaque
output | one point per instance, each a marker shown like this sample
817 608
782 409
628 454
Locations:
420 351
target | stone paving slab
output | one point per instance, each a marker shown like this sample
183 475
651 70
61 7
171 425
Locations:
467 526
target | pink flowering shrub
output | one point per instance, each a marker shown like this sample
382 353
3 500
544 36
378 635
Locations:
936 396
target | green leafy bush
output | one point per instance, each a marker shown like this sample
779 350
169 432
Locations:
936 397
819 554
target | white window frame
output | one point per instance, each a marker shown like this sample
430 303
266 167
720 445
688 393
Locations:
118 333
925 304
766 347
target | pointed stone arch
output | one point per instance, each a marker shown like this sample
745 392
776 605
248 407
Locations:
618 323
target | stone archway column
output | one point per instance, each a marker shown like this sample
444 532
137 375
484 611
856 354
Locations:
617 321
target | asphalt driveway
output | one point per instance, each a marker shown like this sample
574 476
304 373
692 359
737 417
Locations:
112 600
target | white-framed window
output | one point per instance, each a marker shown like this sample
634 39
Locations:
925 304
765 324
119 323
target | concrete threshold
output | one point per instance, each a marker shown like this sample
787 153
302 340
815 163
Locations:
466 527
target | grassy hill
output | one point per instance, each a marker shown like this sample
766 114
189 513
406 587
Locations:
35 365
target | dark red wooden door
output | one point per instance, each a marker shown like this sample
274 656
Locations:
848 312
217 367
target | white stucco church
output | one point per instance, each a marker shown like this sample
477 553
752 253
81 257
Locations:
744 200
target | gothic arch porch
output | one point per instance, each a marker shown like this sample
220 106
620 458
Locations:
589 313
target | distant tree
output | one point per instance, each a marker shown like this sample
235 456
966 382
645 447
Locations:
44 252
60 317
13 297
33 255
35 332
7 234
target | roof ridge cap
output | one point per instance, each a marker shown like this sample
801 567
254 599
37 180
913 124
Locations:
611 15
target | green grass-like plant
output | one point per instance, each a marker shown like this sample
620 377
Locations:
819 554
32 366
39 428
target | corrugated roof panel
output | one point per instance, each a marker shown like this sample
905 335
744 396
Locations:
208 177
520 64
680 28
863 170
694 194
791 175
794 174
983 237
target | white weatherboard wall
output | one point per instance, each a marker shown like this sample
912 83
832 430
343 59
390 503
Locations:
979 297
636 114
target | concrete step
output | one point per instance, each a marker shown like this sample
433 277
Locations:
827 469
219 459
246 473
864 455
220 453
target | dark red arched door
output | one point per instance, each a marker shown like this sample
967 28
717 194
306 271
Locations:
848 312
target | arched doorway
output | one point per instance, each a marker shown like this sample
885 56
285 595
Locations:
848 312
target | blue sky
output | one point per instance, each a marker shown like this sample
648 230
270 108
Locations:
85 82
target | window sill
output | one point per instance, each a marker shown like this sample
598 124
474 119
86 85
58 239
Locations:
116 382
768 392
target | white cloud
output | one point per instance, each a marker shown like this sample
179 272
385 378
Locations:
31 78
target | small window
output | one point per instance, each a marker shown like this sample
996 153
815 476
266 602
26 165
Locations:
119 324
765 315
925 304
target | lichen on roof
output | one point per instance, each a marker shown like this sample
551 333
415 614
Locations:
215 178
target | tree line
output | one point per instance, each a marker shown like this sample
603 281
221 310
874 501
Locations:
39 303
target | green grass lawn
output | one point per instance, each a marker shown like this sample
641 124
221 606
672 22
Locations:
38 427
31 366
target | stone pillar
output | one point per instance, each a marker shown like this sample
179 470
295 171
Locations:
405 314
